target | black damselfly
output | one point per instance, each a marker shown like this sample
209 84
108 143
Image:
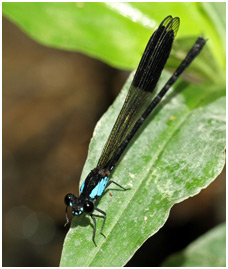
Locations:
137 107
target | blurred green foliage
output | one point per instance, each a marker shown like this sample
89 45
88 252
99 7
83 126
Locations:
117 32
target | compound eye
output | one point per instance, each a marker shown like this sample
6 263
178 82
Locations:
88 207
68 199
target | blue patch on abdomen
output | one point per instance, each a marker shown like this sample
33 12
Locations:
99 189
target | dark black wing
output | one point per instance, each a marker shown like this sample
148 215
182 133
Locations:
141 91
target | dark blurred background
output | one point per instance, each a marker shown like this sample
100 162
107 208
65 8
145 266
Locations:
52 100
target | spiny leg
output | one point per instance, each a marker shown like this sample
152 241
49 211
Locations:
111 181
104 214
67 219
94 229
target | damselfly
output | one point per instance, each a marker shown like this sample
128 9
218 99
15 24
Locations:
136 108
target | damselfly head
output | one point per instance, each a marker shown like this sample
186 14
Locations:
78 204
73 201
81 206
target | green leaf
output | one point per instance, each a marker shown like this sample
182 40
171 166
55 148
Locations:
118 32
207 251
178 152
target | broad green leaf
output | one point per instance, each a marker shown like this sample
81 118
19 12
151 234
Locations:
178 152
207 251
118 32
